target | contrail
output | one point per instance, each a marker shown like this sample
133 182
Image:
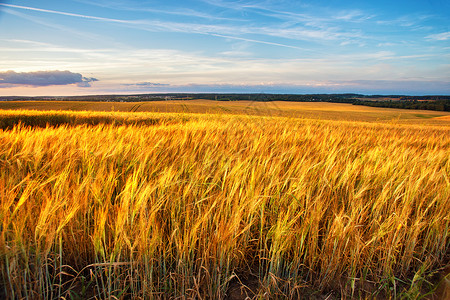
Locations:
69 14
131 22
254 41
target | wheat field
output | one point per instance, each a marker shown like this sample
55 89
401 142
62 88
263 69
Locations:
304 110
213 206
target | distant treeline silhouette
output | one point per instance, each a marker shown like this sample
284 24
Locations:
439 105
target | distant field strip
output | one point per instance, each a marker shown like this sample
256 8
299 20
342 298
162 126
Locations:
307 110
109 204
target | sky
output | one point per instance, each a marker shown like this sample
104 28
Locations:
81 47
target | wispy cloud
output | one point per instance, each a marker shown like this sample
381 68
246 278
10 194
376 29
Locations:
255 41
324 24
320 18
439 36
295 33
147 84
18 45
49 24
411 21
223 31
302 33
141 7
70 14
29 42
354 15
319 25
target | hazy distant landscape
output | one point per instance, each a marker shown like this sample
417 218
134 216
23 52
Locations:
436 102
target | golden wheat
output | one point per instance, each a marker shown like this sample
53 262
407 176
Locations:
193 203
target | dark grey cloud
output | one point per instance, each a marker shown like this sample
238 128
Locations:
44 78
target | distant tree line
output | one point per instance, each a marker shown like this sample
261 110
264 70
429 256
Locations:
439 105
409 98
340 98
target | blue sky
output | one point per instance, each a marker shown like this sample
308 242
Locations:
78 47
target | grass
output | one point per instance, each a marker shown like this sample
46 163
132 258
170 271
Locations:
112 205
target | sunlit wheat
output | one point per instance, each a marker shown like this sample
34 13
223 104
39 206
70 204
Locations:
184 205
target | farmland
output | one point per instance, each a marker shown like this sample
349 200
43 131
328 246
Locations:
206 199
303 110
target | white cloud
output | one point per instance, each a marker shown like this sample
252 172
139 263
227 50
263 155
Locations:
439 36
146 84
